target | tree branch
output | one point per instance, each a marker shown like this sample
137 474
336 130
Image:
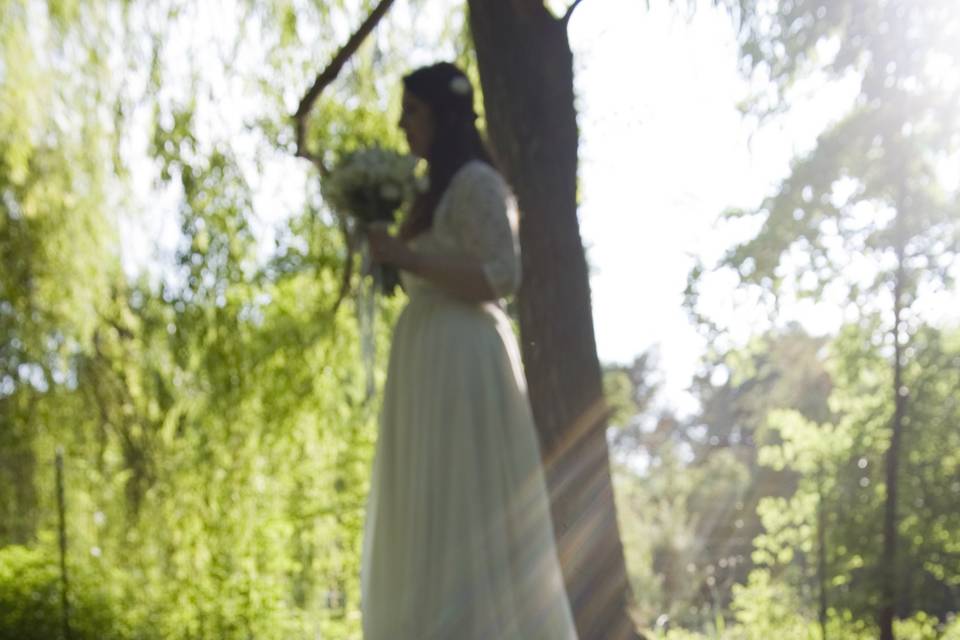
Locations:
566 16
327 76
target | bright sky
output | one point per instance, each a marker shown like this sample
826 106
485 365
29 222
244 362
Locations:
664 152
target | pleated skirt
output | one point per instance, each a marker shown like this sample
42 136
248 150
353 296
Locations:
458 541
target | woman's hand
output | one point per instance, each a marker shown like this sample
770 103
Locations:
387 249
459 275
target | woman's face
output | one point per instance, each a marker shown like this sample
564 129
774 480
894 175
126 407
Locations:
416 120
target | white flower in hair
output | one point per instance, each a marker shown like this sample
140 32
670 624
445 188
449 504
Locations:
460 85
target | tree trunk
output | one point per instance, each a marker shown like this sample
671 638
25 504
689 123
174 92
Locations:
526 71
821 553
889 569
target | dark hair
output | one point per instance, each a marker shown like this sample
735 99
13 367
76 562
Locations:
456 141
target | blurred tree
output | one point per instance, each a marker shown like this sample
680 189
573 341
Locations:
54 228
216 419
867 210
695 489
840 472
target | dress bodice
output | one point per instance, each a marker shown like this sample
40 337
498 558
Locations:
477 217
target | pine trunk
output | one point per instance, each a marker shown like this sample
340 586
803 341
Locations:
889 570
822 554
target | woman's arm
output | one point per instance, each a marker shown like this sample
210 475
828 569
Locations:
461 276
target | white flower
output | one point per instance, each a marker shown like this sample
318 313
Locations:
365 172
460 85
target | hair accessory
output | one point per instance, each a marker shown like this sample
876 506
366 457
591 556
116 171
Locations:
460 85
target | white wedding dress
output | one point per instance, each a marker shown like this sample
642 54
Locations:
458 541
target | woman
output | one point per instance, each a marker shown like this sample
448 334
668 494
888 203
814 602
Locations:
458 541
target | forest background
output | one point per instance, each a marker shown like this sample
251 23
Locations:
769 197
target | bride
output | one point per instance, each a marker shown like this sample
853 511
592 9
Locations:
458 540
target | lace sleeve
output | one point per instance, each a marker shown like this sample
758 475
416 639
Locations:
485 223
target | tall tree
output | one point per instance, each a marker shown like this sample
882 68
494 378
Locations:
872 185
695 496
53 232
526 72
837 506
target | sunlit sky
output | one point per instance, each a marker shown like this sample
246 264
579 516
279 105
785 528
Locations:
664 151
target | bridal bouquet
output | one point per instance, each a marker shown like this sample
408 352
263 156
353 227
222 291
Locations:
369 185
